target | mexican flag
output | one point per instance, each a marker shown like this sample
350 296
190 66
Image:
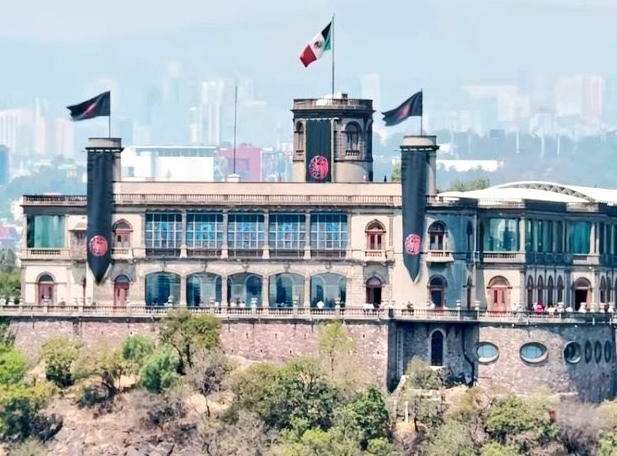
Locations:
317 46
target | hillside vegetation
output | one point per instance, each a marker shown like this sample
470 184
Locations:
181 395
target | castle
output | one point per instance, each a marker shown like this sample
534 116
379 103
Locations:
510 285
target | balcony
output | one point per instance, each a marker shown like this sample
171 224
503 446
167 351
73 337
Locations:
245 253
203 253
502 257
333 103
44 254
439 256
287 253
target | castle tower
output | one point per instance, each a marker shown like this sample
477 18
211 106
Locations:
333 140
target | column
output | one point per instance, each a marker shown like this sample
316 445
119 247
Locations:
224 248
224 298
307 291
307 229
265 292
182 293
593 239
183 242
522 235
266 247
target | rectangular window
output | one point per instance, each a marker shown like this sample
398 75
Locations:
287 232
246 232
580 238
45 232
204 231
501 235
558 237
529 235
329 233
163 233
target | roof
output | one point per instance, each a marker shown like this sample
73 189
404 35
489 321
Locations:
538 191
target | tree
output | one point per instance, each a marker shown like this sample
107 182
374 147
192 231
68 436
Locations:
19 409
159 371
419 375
369 416
335 345
209 373
135 350
396 173
186 333
60 354
102 362
13 367
465 186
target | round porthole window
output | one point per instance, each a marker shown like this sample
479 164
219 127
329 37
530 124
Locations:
588 352
597 351
608 351
572 352
487 352
533 352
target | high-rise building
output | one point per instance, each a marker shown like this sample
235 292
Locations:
64 133
4 165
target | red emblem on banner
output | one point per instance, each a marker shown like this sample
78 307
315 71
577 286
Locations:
412 244
319 167
98 246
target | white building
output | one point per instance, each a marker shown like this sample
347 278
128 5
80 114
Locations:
169 163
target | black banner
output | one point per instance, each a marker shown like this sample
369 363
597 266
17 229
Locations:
318 151
100 210
413 182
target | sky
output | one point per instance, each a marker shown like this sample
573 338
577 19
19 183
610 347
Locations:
66 44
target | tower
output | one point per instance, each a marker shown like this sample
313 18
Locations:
333 140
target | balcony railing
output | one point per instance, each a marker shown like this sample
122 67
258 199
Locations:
44 254
137 310
439 256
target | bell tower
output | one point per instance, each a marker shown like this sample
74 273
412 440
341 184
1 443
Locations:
333 140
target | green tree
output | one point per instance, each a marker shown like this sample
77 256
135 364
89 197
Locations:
451 437
19 409
465 186
186 333
13 367
335 345
419 375
396 173
497 449
106 364
317 442
135 350
159 371
369 416
60 354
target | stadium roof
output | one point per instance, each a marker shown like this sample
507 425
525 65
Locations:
538 191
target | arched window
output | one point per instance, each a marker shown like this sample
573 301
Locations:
530 294
560 288
373 291
375 233
437 291
121 290
550 292
603 299
581 288
329 289
469 288
299 137
352 136
122 235
499 294
244 288
469 233
286 290
437 237
83 289
162 288
540 290
437 348
203 289
46 294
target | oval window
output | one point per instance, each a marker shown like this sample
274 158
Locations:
597 351
487 352
608 351
588 351
572 352
533 352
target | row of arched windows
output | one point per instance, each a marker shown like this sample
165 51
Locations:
352 133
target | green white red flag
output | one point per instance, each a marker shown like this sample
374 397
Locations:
317 46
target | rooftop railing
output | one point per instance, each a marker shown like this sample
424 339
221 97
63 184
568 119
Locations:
140 310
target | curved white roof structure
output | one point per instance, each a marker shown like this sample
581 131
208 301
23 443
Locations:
538 191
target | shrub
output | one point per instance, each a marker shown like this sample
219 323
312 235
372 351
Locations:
160 370
135 350
60 355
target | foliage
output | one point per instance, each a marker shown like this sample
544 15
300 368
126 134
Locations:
135 350
451 437
186 333
420 375
479 183
19 408
497 449
248 436
103 363
159 371
336 347
396 173
7 336
29 447
369 416
209 372
317 442
60 354
13 367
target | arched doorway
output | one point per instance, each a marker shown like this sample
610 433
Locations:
437 348
540 293
244 288
162 288
437 291
603 290
328 288
550 291
530 302
203 289
121 290
286 289
469 289
373 291
560 288
83 289
499 294
46 290
581 290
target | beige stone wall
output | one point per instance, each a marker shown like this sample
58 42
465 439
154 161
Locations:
593 381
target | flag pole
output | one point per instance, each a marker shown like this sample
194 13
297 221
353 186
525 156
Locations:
332 46
235 122
422 113
109 118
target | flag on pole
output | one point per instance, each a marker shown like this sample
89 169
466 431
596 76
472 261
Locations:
98 106
412 107
317 46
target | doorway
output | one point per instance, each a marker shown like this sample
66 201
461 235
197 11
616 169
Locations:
121 290
373 291
581 289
